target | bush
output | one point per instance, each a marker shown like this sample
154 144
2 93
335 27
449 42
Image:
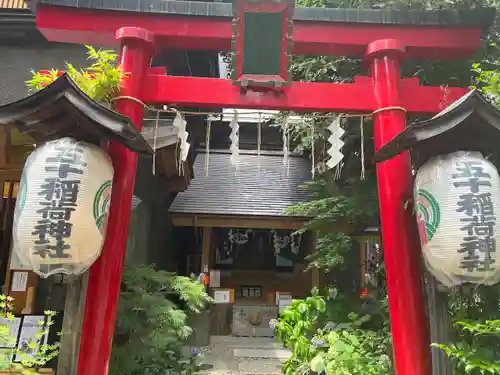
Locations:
324 338
27 363
151 327
477 349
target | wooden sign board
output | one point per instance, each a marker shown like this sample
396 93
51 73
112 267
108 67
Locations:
262 43
223 296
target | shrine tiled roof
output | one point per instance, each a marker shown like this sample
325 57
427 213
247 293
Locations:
475 17
259 186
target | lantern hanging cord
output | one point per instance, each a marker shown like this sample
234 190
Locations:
259 134
207 143
154 142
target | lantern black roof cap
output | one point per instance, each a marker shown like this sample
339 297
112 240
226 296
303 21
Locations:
62 109
471 123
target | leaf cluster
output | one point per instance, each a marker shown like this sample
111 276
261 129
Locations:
100 81
350 350
476 351
325 337
36 355
152 322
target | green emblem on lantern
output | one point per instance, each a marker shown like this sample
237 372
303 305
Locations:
101 206
428 215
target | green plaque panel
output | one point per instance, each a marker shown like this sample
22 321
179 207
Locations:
262 43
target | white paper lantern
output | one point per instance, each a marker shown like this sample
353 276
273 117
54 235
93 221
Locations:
457 202
62 207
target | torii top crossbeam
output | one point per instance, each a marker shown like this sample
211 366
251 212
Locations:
337 32
317 31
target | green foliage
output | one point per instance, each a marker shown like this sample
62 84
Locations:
330 251
329 205
26 364
487 80
477 351
352 350
345 201
152 324
324 336
296 327
100 81
485 72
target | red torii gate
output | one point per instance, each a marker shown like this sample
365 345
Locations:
385 94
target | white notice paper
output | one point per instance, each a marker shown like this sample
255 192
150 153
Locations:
19 281
222 296
285 300
214 279
29 331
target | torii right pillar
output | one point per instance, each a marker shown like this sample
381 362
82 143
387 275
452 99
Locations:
407 308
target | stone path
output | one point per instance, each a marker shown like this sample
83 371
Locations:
243 356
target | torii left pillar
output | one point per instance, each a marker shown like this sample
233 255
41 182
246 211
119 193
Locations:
103 289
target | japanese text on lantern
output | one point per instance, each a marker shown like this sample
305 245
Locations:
476 206
58 200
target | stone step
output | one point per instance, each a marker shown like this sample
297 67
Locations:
270 353
218 364
259 367
222 365
229 355
245 342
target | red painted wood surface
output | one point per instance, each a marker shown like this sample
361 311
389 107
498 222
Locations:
201 92
407 307
105 274
300 96
73 25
